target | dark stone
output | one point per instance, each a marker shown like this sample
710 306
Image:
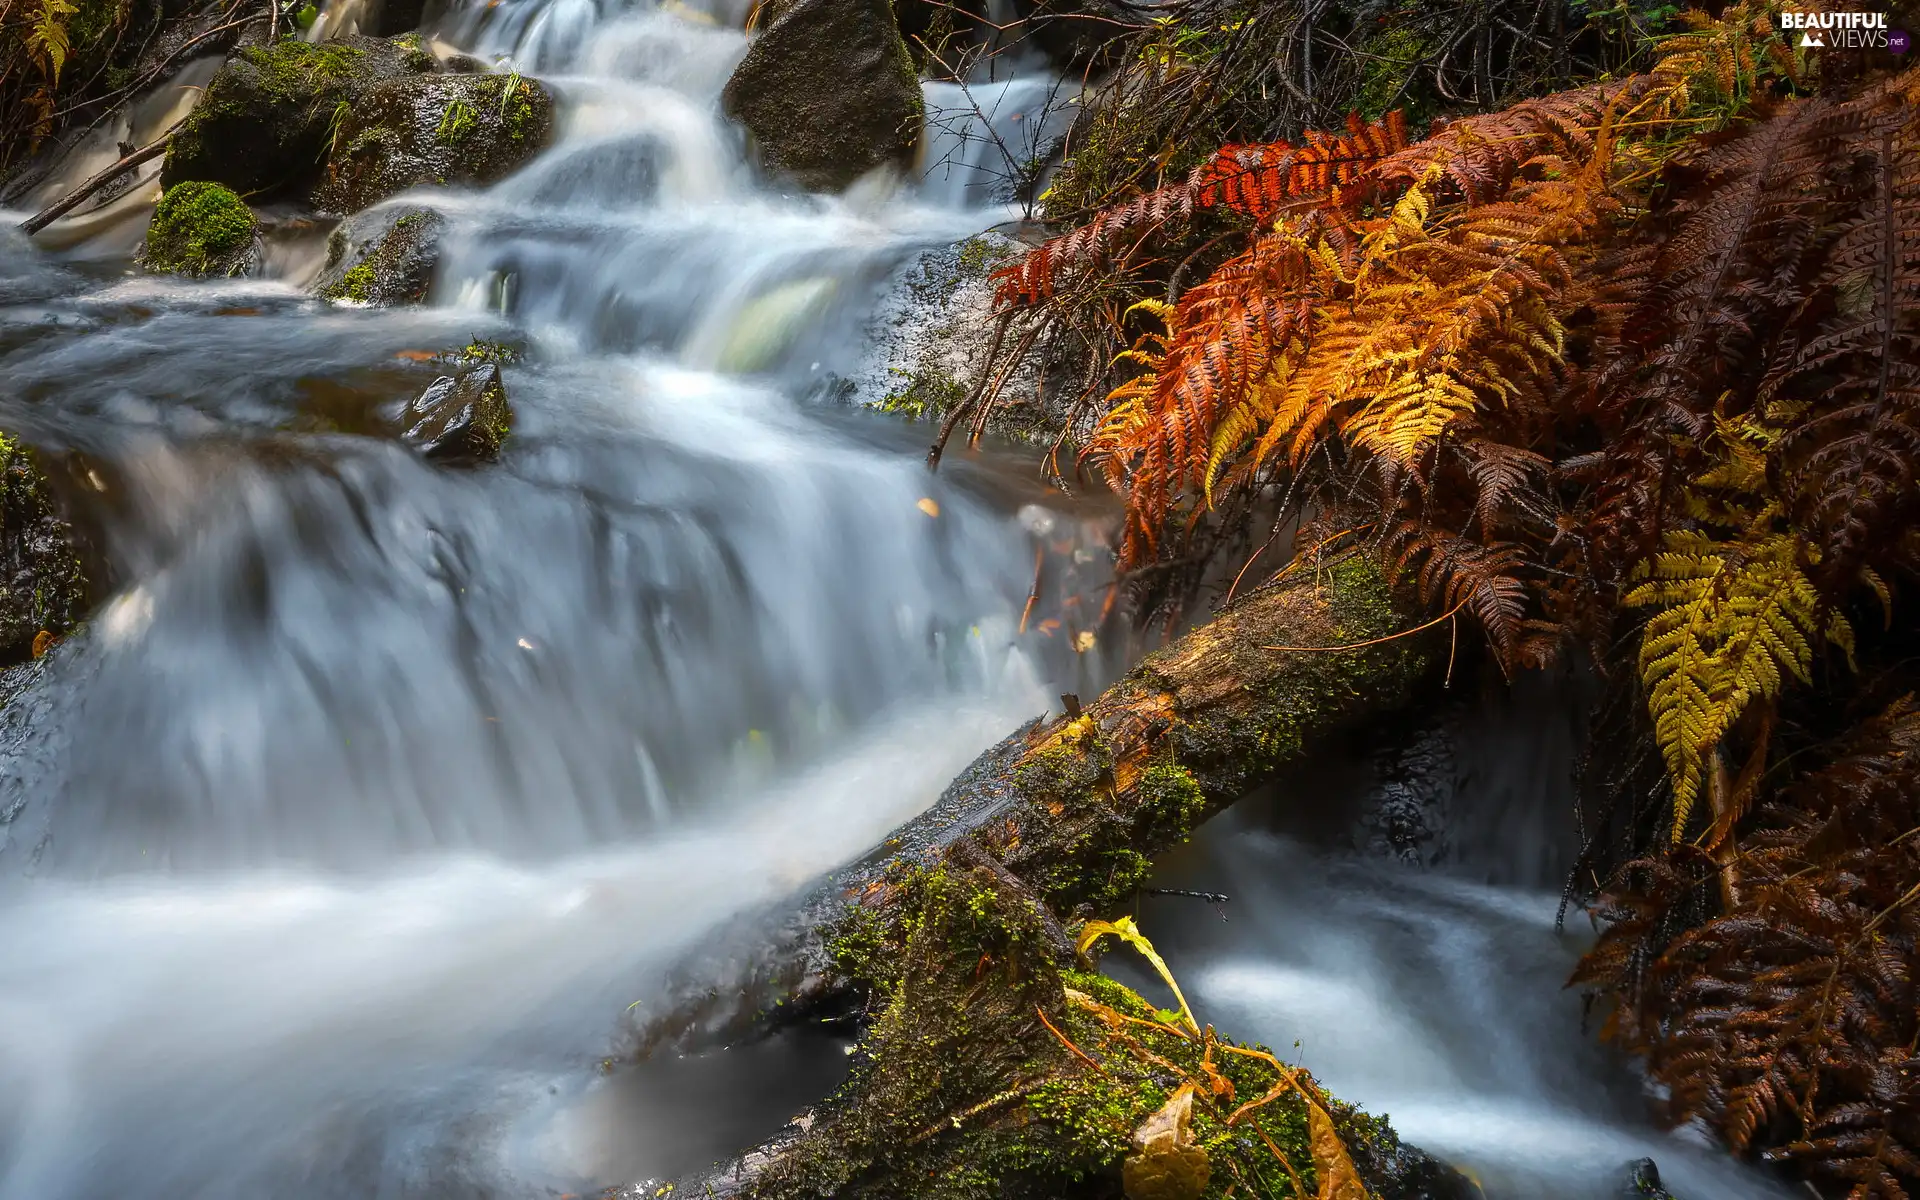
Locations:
461 420
398 16
829 93
463 130
383 257
43 586
1643 1182
267 119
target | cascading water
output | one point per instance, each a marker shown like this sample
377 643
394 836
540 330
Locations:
330 854
335 848
1435 996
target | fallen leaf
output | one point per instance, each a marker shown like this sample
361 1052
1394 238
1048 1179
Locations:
1167 1165
929 506
1084 642
417 355
1338 1179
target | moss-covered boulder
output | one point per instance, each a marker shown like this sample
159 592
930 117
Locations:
995 1066
829 92
201 229
461 419
464 130
382 257
268 118
43 585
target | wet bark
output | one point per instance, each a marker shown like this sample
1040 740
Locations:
949 941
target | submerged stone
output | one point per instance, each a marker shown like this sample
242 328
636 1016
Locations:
462 130
382 257
829 93
461 419
201 229
43 586
267 120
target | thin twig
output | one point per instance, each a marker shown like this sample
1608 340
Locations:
1374 641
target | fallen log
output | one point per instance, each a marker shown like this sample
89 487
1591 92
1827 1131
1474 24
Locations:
994 1062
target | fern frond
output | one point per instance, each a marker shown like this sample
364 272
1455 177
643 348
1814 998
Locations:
1732 620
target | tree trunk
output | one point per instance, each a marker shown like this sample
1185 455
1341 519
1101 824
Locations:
965 1083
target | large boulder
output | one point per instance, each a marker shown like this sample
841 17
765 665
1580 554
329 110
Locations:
829 92
441 129
382 257
201 229
43 586
267 120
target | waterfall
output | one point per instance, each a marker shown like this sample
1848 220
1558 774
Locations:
337 845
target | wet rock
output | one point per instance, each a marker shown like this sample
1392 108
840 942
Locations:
1643 1182
201 229
829 93
461 420
463 130
268 118
382 257
930 351
43 585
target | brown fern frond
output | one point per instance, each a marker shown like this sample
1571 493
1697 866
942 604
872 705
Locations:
1254 181
1790 1020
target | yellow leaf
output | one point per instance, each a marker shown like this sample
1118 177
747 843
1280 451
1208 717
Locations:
1128 932
1338 1179
929 506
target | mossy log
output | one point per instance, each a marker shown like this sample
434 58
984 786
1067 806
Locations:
984 1071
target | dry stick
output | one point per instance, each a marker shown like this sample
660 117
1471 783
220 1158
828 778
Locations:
993 396
71 200
1082 1055
1033 593
960 410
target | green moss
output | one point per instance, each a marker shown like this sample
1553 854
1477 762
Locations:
43 586
1175 795
522 117
200 229
456 123
292 70
926 396
357 284
979 256
413 53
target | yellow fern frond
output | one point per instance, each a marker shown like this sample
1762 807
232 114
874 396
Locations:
1735 619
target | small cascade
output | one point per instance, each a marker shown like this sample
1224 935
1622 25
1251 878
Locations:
376 792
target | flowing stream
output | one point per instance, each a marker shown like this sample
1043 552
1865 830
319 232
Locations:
333 852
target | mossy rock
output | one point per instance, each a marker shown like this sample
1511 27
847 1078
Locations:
43 584
201 229
461 419
266 121
459 130
382 257
829 93
991 1071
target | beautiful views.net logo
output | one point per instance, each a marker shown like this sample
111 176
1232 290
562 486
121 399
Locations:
1844 31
